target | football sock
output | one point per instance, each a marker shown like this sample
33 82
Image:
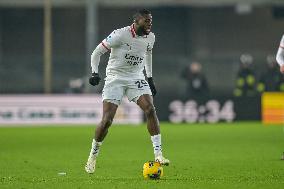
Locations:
95 148
157 144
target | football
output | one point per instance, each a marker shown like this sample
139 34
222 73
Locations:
152 170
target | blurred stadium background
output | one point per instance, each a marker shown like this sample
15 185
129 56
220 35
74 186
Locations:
213 61
45 48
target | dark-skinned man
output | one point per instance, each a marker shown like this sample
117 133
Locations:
131 52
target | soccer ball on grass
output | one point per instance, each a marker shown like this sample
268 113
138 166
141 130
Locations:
152 170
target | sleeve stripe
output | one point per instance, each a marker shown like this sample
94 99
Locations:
105 46
282 47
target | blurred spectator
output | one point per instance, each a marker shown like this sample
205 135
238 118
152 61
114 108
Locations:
75 85
197 85
271 79
246 80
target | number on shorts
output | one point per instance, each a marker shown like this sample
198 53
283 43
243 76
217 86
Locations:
140 84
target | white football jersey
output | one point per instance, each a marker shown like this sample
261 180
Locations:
282 42
280 53
128 52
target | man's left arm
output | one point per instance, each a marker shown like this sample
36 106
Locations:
148 69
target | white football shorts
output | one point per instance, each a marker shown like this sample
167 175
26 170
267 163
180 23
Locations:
115 89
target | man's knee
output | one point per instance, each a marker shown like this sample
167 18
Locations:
149 110
106 122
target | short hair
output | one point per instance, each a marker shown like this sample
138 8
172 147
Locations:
141 12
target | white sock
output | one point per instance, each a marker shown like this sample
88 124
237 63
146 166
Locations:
95 148
157 144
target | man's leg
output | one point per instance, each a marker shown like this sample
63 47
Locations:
146 104
109 110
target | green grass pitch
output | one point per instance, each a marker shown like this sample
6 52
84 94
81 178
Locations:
237 155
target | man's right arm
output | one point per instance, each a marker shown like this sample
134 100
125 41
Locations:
112 40
280 55
95 57
95 61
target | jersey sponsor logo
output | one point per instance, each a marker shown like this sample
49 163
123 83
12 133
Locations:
133 60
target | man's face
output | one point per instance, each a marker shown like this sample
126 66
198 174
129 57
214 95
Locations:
145 23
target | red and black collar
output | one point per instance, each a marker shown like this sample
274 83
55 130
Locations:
132 30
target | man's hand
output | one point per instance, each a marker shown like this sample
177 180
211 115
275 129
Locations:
152 86
282 69
94 79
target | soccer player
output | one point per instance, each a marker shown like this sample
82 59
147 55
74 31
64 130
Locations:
280 60
280 55
130 51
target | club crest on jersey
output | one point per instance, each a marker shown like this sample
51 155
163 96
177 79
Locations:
128 46
133 60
